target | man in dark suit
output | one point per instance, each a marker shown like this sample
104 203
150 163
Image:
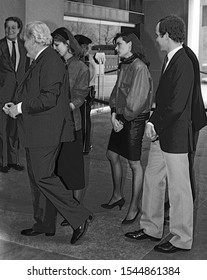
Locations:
13 64
44 120
171 122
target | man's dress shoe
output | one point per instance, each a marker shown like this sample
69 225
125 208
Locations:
4 169
16 166
32 232
167 247
140 235
81 230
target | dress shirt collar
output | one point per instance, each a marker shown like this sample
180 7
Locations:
172 53
10 41
40 52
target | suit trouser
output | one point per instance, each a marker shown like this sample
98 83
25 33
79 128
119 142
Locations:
49 194
9 143
85 110
176 168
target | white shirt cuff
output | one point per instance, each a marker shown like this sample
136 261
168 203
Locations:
19 108
150 124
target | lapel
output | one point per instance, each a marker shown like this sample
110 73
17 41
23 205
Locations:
20 46
31 68
6 54
173 60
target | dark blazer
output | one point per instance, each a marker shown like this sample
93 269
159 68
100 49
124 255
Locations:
45 103
8 77
199 119
172 115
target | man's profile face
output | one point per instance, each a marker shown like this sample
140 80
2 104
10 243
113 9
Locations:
29 44
11 30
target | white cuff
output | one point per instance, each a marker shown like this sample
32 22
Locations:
19 108
150 124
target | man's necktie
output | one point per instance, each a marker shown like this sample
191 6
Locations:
14 55
164 64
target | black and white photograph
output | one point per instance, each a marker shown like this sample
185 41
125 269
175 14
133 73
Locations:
103 139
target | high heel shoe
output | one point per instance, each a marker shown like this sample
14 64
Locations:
125 221
119 203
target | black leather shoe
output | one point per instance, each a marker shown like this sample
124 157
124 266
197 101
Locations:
81 230
64 223
140 235
16 166
167 247
49 233
4 169
32 232
119 203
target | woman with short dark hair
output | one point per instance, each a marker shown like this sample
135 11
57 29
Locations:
130 102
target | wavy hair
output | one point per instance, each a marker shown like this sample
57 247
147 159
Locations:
174 26
40 31
15 19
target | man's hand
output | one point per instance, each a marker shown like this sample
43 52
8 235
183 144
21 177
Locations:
7 107
150 131
13 112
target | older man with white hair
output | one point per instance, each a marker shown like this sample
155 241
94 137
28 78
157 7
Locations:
44 120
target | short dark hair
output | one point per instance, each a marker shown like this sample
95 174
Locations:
15 19
174 26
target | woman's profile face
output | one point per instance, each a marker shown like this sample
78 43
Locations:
60 47
123 48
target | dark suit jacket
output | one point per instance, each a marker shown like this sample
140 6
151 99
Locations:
172 115
199 119
45 103
8 77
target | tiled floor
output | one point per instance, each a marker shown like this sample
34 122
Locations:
105 237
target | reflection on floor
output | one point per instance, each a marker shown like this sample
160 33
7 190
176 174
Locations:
105 237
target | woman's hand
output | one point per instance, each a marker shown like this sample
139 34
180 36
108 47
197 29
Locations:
117 125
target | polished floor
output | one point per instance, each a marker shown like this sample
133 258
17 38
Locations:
105 237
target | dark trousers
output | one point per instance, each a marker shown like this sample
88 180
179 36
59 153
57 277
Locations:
49 195
86 125
9 142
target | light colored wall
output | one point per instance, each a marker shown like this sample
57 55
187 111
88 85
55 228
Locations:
10 8
49 11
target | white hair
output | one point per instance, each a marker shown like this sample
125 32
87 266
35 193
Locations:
40 31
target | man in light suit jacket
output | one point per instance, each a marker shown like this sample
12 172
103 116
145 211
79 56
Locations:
11 72
44 120
171 122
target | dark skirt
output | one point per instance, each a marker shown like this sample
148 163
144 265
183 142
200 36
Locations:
70 163
128 142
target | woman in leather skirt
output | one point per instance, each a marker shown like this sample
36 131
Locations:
130 103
